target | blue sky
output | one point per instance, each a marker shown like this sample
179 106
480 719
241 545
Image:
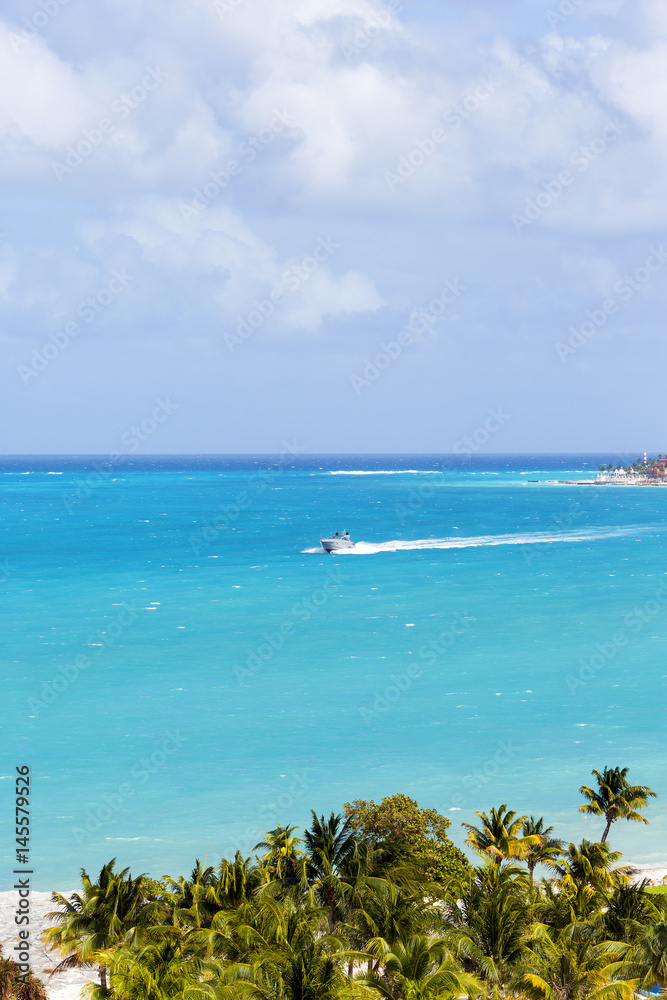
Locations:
355 224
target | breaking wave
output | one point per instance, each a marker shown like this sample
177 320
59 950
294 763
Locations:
384 472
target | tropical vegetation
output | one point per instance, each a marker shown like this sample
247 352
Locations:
376 902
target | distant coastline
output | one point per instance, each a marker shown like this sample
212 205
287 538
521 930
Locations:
643 472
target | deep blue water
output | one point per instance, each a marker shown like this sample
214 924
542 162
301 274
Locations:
182 673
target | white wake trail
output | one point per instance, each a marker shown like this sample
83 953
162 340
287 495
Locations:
525 538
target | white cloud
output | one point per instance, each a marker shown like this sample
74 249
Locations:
327 295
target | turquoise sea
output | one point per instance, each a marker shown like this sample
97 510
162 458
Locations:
183 667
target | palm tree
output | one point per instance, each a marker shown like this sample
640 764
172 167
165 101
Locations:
500 836
544 853
166 970
194 901
106 914
647 958
332 844
238 880
420 968
332 849
13 984
568 964
487 919
281 859
288 956
615 798
585 875
628 912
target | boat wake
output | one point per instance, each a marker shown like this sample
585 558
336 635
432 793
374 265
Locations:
476 541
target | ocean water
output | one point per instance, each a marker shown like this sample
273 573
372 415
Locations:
184 667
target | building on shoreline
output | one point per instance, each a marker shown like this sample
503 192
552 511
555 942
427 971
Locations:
648 471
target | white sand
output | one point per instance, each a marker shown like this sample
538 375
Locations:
655 873
63 986
68 985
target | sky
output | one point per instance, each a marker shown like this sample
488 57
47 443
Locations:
350 225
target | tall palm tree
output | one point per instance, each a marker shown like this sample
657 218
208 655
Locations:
568 964
615 798
487 919
546 851
107 913
591 863
331 844
585 875
500 836
332 848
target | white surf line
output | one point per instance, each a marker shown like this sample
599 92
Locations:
537 537
384 472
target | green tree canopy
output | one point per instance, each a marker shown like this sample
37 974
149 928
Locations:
501 835
400 824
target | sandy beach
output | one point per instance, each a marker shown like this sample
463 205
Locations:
68 985
65 985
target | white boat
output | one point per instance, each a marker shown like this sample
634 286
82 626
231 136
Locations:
336 542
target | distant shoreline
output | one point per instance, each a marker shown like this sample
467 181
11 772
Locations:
600 482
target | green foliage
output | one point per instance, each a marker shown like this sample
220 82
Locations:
376 903
397 818
501 835
442 861
106 914
615 798
401 827
13 984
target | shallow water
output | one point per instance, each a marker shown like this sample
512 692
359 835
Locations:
180 684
